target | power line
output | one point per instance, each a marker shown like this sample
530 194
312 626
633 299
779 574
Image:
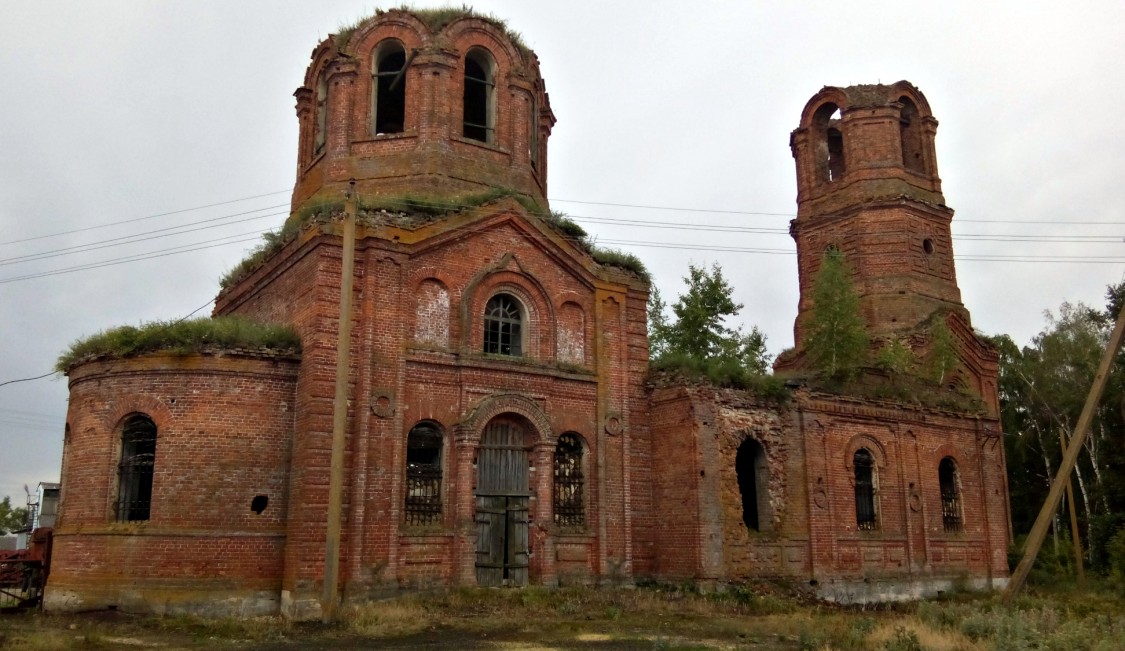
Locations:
136 258
27 379
137 219
705 210
139 237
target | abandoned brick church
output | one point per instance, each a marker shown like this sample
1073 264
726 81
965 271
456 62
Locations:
502 427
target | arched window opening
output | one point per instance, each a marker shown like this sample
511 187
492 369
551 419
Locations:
503 320
951 518
910 132
830 148
319 138
389 88
480 86
836 166
570 510
865 512
753 483
423 475
533 134
134 472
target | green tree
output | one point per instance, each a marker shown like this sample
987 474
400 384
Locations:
657 325
836 339
699 331
11 519
943 351
896 357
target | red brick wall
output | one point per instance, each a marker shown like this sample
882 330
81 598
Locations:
223 432
422 368
809 445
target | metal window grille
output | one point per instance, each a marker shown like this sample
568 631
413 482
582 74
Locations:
865 516
569 504
423 475
502 322
950 496
138 457
477 100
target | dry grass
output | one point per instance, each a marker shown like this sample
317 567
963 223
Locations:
760 617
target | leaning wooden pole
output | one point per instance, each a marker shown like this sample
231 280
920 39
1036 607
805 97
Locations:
1074 533
1046 514
330 597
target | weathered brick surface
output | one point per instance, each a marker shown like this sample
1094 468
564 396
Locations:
430 156
224 425
813 535
660 494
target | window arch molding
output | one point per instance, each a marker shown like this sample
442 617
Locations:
539 329
878 454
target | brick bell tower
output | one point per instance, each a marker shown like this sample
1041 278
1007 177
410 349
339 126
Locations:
868 185
409 103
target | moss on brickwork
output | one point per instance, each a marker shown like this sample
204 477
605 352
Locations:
435 19
679 369
415 210
181 337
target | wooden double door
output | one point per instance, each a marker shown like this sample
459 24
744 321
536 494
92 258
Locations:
502 505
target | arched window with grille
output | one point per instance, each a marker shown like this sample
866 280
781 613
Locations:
388 88
135 470
866 513
503 326
479 101
423 475
569 503
951 518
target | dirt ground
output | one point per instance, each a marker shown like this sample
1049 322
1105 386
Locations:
104 630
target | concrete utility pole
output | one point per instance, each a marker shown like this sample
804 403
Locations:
1062 479
330 597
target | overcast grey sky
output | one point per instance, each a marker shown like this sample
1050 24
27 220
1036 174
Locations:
123 110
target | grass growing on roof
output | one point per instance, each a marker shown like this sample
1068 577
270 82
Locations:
181 337
435 19
718 372
431 206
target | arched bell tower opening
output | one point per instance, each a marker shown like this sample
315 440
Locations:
868 187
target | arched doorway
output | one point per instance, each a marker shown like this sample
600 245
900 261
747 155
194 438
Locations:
502 504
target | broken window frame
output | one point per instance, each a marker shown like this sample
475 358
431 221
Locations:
866 509
388 88
320 136
503 326
952 518
478 110
135 469
422 504
569 501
